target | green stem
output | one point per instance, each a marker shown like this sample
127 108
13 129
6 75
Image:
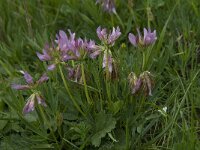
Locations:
69 93
107 79
120 21
70 143
101 102
127 135
143 61
148 7
49 125
85 85
108 91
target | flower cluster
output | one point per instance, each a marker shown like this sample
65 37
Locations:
68 48
31 85
143 82
108 41
148 38
108 5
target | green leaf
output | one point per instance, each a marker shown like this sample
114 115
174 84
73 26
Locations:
105 123
117 106
3 123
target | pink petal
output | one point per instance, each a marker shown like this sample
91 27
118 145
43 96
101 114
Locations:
28 78
20 87
132 39
51 67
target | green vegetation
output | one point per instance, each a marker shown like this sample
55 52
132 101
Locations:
100 112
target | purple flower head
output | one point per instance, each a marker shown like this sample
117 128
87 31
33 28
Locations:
30 104
30 83
108 38
20 87
108 61
92 49
69 48
134 83
45 56
148 38
31 101
28 78
102 33
62 40
133 39
147 82
90 45
137 86
95 53
142 83
108 5
43 78
48 55
114 35
76 48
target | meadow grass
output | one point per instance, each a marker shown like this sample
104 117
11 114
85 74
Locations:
110 116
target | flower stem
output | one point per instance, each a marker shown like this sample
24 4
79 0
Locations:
107 79
119 19
127 134
143 60
85 84
68 91
49 125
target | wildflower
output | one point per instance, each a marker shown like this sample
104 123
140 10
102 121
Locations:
108 61
36 96
31 102
47 55
163 111
74 49
148 39
30 83
93 49
147 82
68 48
143 82
110 38
134 82
108 5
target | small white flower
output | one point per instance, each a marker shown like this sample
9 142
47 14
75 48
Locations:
21 71
163 111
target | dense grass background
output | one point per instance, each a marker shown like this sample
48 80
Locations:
174 60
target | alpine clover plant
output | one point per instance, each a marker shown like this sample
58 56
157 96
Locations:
148 38
107 5
36 96
70 49
151 103
144 82
108 41
70 53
